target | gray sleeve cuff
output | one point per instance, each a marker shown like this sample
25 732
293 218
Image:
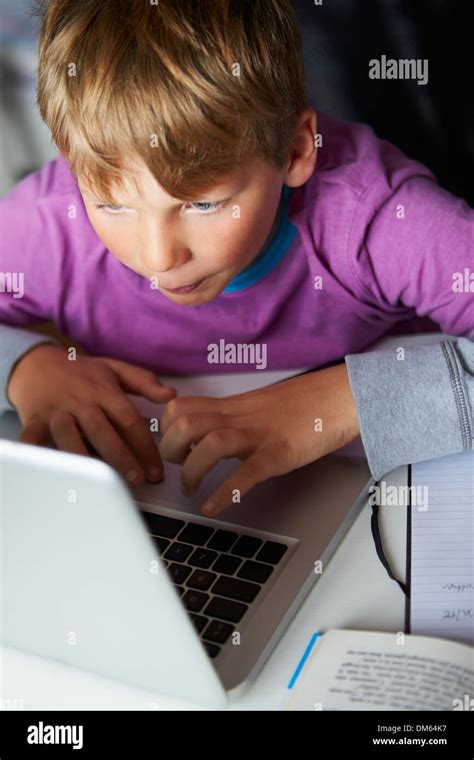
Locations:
413 403
15 342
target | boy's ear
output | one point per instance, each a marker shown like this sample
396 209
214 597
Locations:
304 152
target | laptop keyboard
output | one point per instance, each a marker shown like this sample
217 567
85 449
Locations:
217 573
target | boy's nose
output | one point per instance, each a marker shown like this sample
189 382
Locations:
161 251
163 259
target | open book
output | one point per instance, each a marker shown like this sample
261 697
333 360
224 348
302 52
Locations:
361 670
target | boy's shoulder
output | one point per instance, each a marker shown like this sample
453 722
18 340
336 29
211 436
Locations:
45 209
356 175
53 180
41 206
358 178
352 157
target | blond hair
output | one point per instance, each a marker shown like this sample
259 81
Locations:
192 88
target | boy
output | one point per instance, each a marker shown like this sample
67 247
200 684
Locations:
199 202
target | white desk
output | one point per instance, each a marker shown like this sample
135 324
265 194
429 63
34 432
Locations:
353 592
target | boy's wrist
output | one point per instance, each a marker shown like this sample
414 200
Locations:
350 406
22 366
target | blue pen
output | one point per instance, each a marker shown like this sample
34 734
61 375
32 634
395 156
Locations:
305 656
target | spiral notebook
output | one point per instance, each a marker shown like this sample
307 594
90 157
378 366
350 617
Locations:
441 549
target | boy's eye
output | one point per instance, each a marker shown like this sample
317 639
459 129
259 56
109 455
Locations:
204 207
207 207
108 208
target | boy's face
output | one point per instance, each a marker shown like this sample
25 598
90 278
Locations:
204 243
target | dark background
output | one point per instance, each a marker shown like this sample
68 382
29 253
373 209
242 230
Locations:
433 123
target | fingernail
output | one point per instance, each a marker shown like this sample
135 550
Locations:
132 475
155 473
209 508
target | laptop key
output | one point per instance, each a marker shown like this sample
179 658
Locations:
271 552
225 609
218 631
202 558
222 540
178 552
179 589
246 546
195 600
255 571
178 573
200 579
212 649
199 621
160 525
226 564
235 589
161 543
196 534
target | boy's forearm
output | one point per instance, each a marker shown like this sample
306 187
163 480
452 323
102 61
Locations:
414 405
15 343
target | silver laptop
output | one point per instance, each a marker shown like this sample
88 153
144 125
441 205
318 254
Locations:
139 586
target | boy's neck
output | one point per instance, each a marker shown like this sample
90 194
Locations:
273 232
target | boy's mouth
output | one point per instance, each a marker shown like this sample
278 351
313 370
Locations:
184 288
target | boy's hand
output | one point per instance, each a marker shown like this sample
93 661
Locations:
275 430
72 400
